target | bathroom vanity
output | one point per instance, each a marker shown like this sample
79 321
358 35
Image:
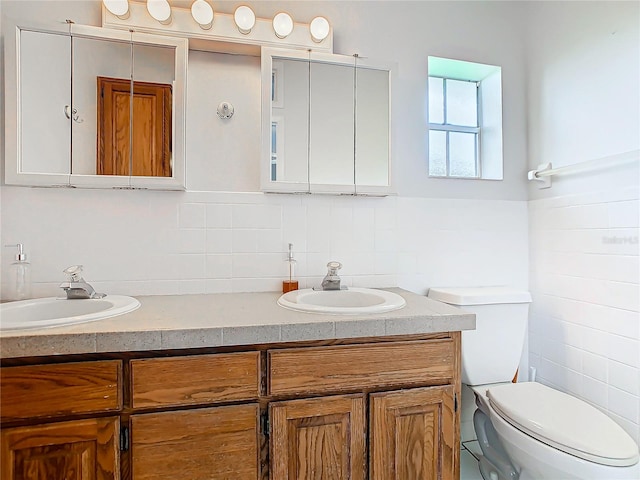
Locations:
231 386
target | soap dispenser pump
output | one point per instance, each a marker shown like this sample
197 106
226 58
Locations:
19 287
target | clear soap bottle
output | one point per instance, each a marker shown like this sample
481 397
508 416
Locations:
291 284
19 286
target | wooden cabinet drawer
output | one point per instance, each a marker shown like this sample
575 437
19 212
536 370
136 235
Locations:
300 371
197 379
60 389
200 444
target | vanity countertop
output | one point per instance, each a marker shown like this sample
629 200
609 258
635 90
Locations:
167 322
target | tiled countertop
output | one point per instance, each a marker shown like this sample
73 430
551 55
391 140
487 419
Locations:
228 319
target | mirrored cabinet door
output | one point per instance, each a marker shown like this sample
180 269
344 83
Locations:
45 103
151 127
372 145
331 127
95 60
289 134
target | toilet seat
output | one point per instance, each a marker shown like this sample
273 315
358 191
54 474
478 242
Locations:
564 422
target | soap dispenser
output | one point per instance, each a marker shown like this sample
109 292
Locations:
291 284
19 286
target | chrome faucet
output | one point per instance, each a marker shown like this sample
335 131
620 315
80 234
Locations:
76 287
332 281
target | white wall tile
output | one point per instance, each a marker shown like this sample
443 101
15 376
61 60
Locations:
624 214
624 377
219 266
624 404
219 216
192 215
219 241
257 216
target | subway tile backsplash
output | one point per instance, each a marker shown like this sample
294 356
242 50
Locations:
147 243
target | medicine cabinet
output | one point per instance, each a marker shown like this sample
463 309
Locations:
93 107
325 124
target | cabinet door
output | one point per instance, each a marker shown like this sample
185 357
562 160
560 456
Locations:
320 439
413 434
76 450
219 443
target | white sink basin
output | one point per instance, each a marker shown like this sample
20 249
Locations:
56 312
353 301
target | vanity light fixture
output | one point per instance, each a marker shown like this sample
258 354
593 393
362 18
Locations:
160 10
202 13
319 28
282 25
245 19
120 8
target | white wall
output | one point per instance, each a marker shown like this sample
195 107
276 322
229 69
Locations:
584 87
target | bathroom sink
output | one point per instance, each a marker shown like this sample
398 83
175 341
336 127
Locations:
56 312
342 302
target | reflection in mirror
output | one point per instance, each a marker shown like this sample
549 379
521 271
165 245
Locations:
94 58
331 124
45 105
289 120
153 79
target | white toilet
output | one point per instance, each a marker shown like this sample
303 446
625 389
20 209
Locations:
528 431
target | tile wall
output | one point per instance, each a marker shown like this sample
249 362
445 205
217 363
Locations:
149 243
584 328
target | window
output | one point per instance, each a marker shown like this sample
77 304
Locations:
453 128
465 120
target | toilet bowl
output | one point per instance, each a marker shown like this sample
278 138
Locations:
529 431
547 434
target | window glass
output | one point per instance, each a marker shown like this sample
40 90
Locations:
462 154
436 100
462 103
437 153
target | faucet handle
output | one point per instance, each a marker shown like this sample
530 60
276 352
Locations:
73 272
334 267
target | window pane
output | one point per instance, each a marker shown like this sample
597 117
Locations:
436 100
462 103
437 153
462 154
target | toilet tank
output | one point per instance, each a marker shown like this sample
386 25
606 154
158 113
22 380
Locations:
490 353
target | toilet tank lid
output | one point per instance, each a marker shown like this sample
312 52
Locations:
564 422
479 295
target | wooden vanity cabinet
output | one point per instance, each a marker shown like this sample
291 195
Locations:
377 408
400 424
59 441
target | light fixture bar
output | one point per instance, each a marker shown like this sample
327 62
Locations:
222 36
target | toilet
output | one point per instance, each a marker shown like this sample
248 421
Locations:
527 430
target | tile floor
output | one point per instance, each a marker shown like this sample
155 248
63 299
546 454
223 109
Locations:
470 451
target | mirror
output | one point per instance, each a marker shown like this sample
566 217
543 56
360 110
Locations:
326 124
111 112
